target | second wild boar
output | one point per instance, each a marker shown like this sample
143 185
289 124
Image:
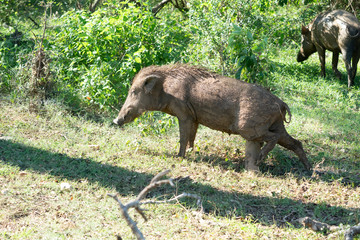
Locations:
337 31
196 96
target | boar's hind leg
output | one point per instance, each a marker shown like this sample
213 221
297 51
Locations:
335 61
294 145
271 139
355 61
188 130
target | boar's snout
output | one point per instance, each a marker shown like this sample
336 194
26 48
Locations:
121 118
126 115
119 121
301 57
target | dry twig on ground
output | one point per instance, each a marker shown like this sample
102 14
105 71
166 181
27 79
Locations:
349 233
352 232
155 182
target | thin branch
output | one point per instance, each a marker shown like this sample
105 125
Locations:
44 30
34 21
147 189
155 182
157 177
198 203
130 222
316 225
160 6
93 6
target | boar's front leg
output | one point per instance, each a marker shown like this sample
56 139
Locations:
192 135
188 129
252 152
321 53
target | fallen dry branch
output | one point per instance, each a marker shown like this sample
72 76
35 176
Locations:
316 225
349 234
352 232
155 182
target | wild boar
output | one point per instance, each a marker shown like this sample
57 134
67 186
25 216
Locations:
337 31
196 96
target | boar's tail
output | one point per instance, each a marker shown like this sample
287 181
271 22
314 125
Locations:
354 33
289 112
283 110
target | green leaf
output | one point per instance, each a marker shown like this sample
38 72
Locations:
138 60
249 36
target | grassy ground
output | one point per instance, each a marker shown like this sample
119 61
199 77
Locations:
40 151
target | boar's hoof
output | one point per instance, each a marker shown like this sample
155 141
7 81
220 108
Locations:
260 159
308 166
250 166
179 155
338 74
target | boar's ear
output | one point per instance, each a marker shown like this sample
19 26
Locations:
304 30
150 83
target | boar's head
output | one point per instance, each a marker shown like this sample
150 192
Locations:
143 96
307 46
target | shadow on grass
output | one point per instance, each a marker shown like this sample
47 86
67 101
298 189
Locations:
283 212
268 210
265 210
280 163
60 165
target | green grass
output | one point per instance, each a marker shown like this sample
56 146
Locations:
39 151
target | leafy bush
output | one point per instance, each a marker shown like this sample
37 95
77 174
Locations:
251 54
210 23
235 37
14 65
97 55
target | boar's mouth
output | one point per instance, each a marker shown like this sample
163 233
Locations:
301 57
118 121
129 116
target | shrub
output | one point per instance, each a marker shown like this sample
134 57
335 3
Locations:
251 55
97 55
14 65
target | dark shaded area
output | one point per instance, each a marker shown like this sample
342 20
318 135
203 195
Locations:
63 166
280 163
266 210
